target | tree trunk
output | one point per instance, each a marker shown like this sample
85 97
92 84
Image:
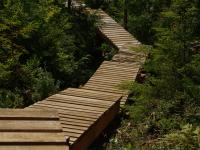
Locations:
125 14
69 4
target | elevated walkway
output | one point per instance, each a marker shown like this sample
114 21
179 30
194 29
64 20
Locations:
83 113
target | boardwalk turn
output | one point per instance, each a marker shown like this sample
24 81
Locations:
110 75
116 35
83 113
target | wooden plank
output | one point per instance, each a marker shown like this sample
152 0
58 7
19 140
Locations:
91 94
109 68
106 68
75 121
106 26
121 44
63 113
103 89
66 122
78 103
77 117
73 126
27 114
114 79
106 82
117 32
118 64
109 30
31 137
27 125
73 130
73 112
79 107
34 147
117 72
49 106
108 76
81 99
72 134
122 41
120 76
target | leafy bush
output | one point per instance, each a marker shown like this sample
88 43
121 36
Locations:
163 111
187 138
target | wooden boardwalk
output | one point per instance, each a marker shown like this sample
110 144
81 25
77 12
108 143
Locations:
83 113
110 75
22 129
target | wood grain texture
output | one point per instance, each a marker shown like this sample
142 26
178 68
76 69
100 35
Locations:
31 130
79 113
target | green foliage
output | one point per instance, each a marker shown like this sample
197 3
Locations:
108 51
114 9
94 3
43 48
9 99
187 138
163 112
142 15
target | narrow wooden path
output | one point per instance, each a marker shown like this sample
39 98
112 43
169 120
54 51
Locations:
83 113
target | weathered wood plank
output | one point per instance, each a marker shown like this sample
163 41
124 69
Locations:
29 125
31 137
81 99
91 94
34 147
81 107
54 107
31 130
31 115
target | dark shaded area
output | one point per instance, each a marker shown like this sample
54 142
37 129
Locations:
107 134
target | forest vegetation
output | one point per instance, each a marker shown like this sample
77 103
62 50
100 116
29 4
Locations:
46 47
163 111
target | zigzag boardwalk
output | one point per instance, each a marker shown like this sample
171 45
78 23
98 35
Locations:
83 112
